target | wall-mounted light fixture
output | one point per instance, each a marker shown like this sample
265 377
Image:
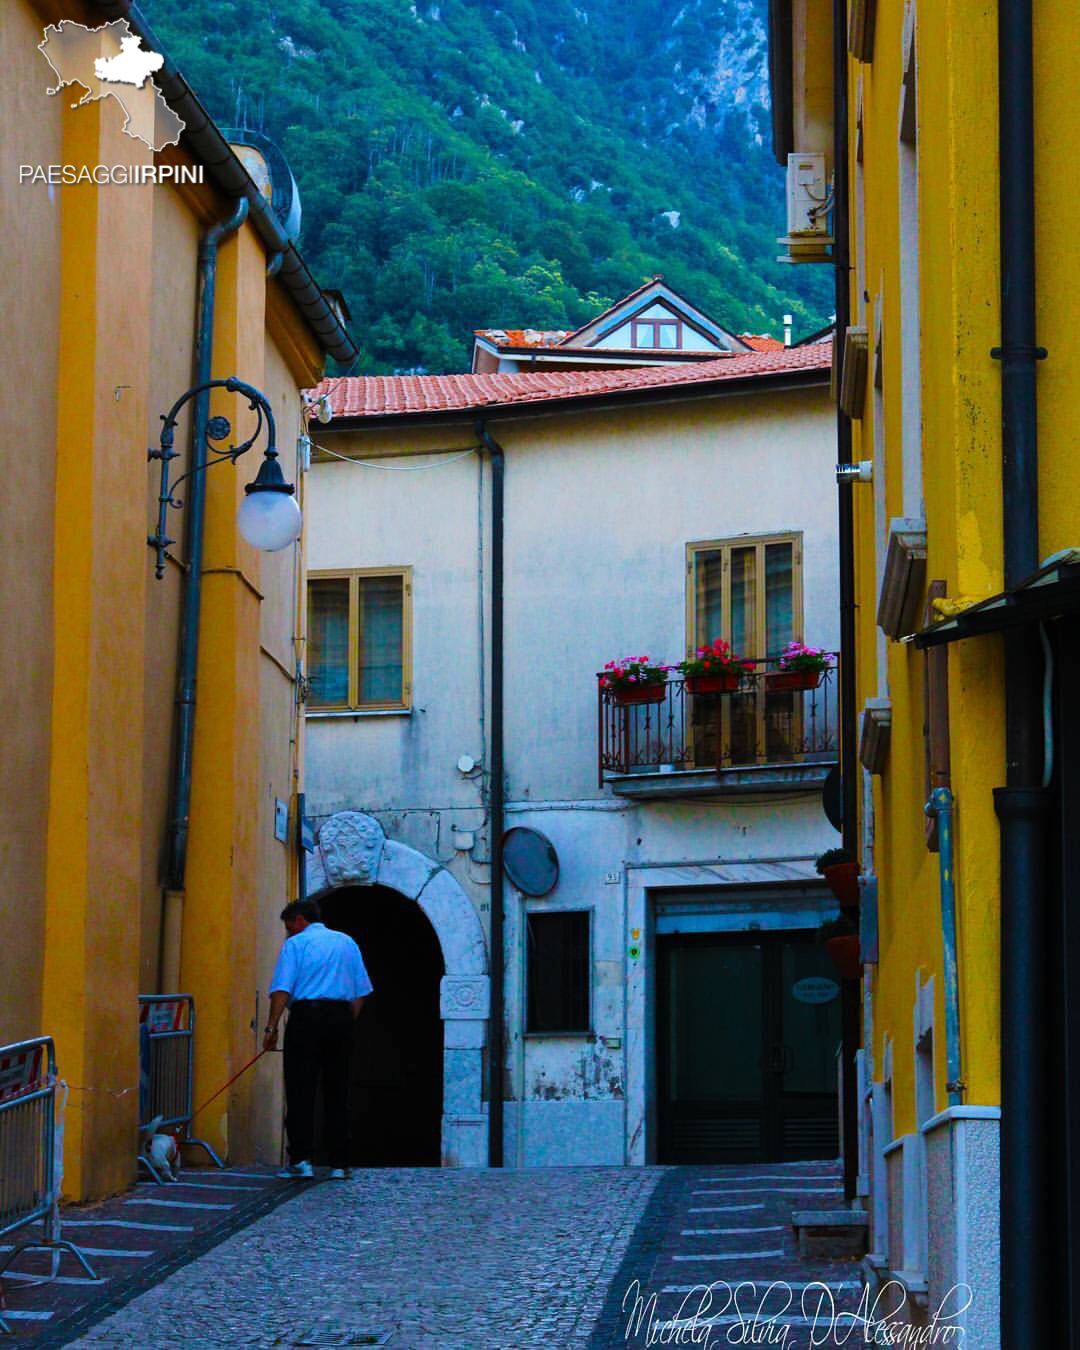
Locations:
269 517
862 472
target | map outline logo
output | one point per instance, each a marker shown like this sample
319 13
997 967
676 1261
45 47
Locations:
69 48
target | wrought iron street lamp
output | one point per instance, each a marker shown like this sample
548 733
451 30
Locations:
269 517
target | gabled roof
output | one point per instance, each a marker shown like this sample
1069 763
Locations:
622 311
393 396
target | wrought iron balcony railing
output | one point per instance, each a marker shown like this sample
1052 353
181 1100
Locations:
763 720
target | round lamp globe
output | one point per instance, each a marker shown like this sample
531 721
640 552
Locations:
269 520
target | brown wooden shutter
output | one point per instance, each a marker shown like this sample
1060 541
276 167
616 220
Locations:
935 713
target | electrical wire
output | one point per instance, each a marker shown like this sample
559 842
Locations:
399 468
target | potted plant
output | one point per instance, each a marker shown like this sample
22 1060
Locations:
799 667
841 873
841 939
634 680
714 669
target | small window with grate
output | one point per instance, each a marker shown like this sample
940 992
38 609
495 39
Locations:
558 971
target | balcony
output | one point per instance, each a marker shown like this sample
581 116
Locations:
758 737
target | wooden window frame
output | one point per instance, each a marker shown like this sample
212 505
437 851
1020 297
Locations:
758 542
353 575
655 324
541 912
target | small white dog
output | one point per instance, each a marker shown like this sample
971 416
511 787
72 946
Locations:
161 1150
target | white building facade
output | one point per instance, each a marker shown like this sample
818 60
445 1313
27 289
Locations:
665 995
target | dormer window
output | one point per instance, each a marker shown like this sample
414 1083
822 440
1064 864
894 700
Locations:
658 333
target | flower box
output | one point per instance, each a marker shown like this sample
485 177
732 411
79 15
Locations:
845 955
626 694
843 880
723 683
792 679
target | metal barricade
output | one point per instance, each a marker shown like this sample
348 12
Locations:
167 1068
29 1161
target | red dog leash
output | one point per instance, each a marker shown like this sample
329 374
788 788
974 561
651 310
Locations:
254 1060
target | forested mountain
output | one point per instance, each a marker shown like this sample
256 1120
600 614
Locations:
466 164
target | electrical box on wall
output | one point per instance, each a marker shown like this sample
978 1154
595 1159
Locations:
806 194
807 210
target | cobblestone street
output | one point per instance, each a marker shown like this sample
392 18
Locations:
488 1259
424 1258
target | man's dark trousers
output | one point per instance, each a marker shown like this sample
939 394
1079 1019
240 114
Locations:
318 1041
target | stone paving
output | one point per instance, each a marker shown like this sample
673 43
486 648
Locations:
132 1241
423 1258
714 1263
456 1260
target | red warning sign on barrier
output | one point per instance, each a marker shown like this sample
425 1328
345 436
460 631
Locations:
162 1015
21 1073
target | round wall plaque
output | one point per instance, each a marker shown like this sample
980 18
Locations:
815 989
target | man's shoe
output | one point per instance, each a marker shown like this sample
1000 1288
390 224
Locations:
341 1174
301 1171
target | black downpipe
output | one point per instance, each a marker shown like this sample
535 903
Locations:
195 512
301 852
496 802
851 1020
1021 805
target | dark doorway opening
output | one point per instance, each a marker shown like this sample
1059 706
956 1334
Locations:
397 1071
748 1026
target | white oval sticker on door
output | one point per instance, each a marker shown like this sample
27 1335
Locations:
815 989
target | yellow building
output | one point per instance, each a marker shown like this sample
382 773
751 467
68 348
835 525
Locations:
114 294
953 190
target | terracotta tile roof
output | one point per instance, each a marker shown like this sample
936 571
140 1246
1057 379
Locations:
522 337
410 395
763 343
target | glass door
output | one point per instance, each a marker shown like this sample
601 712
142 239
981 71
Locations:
748 1026
710 1041
804 1114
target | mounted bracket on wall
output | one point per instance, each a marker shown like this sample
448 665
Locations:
875 734
904 579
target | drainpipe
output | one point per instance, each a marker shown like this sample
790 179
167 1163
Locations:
496 1046
849 764
941 805
172 924
1022 804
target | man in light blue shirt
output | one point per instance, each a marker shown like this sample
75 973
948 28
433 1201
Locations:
320 978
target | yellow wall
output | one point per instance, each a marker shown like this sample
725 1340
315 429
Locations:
961 480
30 289
176 242
104 281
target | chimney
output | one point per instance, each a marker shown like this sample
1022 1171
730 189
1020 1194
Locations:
787 330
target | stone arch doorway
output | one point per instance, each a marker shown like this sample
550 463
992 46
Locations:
352 853
397 1071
